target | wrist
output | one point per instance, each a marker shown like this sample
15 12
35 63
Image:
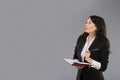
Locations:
89 60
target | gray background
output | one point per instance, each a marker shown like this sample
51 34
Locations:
36 35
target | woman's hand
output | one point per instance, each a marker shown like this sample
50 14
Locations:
80 66
87 56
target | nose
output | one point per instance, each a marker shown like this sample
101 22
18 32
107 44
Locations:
86 24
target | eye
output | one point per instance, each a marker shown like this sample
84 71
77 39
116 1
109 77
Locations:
90 22
87 22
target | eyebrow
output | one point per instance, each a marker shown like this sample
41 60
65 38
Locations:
88 22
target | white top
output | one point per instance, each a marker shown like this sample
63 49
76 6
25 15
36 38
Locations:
95 64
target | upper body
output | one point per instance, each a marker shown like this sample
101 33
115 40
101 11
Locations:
98 51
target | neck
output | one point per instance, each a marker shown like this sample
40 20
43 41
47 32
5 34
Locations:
91 36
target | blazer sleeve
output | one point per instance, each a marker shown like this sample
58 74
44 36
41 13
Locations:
104 56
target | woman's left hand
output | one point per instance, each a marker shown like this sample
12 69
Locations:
87 56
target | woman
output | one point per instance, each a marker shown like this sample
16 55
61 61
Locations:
92 47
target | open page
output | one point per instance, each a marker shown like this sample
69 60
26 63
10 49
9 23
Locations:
75 62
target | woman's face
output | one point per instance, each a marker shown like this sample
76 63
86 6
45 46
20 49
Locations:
90 26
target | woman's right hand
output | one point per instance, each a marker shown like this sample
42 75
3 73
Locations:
80 66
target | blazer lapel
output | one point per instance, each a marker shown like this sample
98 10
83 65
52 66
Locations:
92 46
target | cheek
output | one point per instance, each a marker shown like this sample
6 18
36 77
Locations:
91 28
94 28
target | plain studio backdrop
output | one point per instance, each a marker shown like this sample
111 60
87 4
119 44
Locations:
36 35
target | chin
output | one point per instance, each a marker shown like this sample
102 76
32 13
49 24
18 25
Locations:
86 31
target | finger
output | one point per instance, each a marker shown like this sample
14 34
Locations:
88 51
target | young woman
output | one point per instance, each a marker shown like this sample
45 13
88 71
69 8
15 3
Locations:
92 47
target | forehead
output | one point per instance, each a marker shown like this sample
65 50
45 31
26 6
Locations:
89 20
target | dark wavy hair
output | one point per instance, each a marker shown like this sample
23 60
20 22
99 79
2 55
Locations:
101 29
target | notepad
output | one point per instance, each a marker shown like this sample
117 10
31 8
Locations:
75 62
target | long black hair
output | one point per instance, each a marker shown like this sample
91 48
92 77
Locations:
101 29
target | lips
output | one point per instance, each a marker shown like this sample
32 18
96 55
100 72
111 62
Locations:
86 28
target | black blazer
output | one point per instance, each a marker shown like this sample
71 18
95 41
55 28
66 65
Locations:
99 52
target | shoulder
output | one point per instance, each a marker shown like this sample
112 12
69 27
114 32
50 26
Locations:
102 42
82 37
